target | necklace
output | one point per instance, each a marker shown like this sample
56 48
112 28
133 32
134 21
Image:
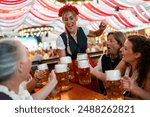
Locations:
74 36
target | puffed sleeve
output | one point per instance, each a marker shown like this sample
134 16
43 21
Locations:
85 30
99 64
59 43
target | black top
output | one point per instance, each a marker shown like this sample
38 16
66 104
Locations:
4 96
107 64
75 48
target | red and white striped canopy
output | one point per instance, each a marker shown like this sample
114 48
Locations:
17 14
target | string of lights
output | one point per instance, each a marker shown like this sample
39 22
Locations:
35 31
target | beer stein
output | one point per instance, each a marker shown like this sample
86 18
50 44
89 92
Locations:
61 71
67 60
113 85
55 94
84 72
41 75
82 56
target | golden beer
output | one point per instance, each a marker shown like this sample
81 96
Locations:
62 77
42 75
55 94
67 60
84 76
71 71
114 90
113 85
84 72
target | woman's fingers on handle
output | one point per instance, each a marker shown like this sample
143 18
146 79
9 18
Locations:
126 82
53 77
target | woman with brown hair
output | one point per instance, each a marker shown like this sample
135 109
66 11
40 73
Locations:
136 68
110 60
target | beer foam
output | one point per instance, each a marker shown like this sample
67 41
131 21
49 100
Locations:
83 64
42 67
112 75
66 59
60 68
81 56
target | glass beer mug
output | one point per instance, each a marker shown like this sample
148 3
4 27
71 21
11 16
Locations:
113 85
82 56
55 94
84 72
61 71
67 60
41 75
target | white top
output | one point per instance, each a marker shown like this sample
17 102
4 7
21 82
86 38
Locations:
23 94
99 64
60 44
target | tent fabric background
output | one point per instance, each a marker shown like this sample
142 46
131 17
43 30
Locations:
130 14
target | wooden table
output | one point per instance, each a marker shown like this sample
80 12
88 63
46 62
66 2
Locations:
79 92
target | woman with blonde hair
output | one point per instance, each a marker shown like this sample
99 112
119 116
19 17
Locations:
74 39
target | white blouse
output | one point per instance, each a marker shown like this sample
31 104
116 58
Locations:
99 64
23 94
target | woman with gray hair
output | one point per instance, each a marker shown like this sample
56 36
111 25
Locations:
15 67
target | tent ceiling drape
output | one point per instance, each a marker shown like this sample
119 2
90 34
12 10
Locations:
124 15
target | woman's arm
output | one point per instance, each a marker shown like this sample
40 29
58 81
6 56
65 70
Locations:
31 85
61 53
98 32
131 86
46 90
143 94
100 75
95 72
121 66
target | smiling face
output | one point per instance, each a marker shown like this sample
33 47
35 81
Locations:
112 45
70 19
128 55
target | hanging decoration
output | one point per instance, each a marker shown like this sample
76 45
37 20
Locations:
35 31
18 14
